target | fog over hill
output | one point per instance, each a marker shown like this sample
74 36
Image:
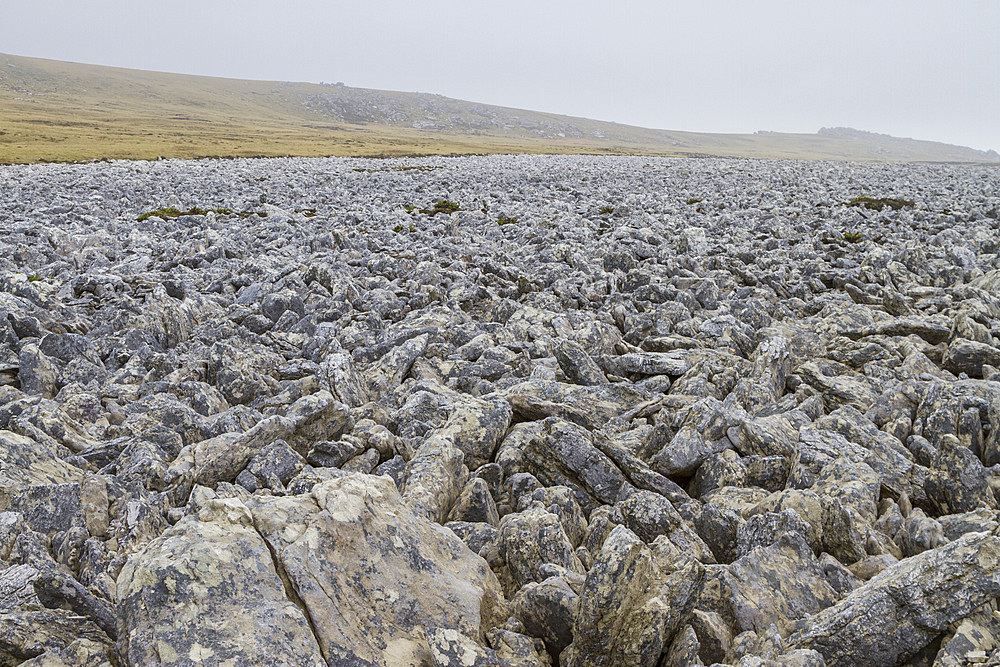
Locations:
53 110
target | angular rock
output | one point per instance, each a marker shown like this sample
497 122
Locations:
202 591
374 577
591 407
531 539
577 365
434 479
566 454
969 357
897 613
629 609
778 584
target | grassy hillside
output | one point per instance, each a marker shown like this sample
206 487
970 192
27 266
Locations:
59 111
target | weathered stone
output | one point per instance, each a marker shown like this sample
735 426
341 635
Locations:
629 609
343 380
978 633
577 365
37 374
674 363
763 530
94 503
683 649
547 609
477 426
903 609
518 650
450 647
957 481
652 517
31 634
56 589
316 417
565 453
80 653
591 407
477 536
373 576
274 466
561 501
202 591
703 434
475 504
778 584
532 539
434 479
969 357
27 462
221 458
805 385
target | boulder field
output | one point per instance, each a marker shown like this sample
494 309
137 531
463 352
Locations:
508 411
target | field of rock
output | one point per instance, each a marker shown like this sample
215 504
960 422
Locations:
506 410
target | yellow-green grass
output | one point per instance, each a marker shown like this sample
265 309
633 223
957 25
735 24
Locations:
59 111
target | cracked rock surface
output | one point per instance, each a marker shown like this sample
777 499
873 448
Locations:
508 410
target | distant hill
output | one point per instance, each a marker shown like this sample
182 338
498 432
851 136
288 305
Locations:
60 111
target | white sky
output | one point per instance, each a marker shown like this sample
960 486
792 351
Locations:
917 68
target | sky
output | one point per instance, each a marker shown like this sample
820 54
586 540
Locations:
910 68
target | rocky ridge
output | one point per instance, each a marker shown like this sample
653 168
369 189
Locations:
610 411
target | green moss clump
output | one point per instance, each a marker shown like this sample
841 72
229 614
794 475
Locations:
168 212
606 210
879 203
445 206
34 277
172 212
415 168
307 212
694 200
853 237
504 220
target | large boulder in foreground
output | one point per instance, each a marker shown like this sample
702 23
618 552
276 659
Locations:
373 575
344 575
207 592
900 611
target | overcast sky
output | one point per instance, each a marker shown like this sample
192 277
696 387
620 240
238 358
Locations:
916 68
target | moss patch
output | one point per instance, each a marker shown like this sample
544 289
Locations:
879 203
172 212
445 206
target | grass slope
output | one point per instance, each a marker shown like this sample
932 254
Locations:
59 111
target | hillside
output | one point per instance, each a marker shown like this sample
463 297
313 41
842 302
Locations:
53 110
